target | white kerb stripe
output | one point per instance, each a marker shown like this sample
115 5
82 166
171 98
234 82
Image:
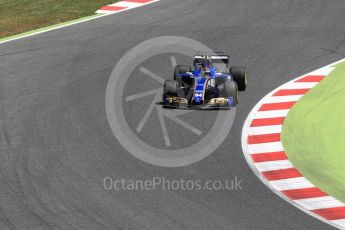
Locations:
323 71
300 85
276 99
270 114
319 203
127 4
265 147
273 165
340 223
264 129
291 183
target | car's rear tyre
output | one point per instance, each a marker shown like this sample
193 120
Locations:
229 90
183 69
240 77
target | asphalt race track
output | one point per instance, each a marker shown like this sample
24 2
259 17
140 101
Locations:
56 145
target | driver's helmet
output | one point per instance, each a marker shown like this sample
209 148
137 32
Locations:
206 64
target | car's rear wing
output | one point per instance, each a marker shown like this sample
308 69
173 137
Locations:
216 57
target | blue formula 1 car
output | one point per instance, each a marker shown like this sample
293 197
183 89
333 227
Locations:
210 84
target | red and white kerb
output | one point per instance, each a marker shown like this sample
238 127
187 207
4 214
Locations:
123 5
265 153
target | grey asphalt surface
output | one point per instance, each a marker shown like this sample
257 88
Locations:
56 145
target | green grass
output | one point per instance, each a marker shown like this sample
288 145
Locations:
18 16
314 134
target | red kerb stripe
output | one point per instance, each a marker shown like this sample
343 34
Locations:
281 174
331 213
304 193
272 156
291 92
267 121
311 78
264 138
277 106
113 8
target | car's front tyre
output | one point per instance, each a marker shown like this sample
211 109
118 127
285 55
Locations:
229 90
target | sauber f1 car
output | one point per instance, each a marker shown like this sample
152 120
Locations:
210 83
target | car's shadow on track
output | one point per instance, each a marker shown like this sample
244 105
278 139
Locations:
179 107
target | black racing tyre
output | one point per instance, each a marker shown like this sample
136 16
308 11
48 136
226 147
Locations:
229 89
240 77
171 87
182 69
220 81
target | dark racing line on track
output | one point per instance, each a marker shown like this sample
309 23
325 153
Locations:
56 145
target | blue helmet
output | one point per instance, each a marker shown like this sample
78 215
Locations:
206 62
